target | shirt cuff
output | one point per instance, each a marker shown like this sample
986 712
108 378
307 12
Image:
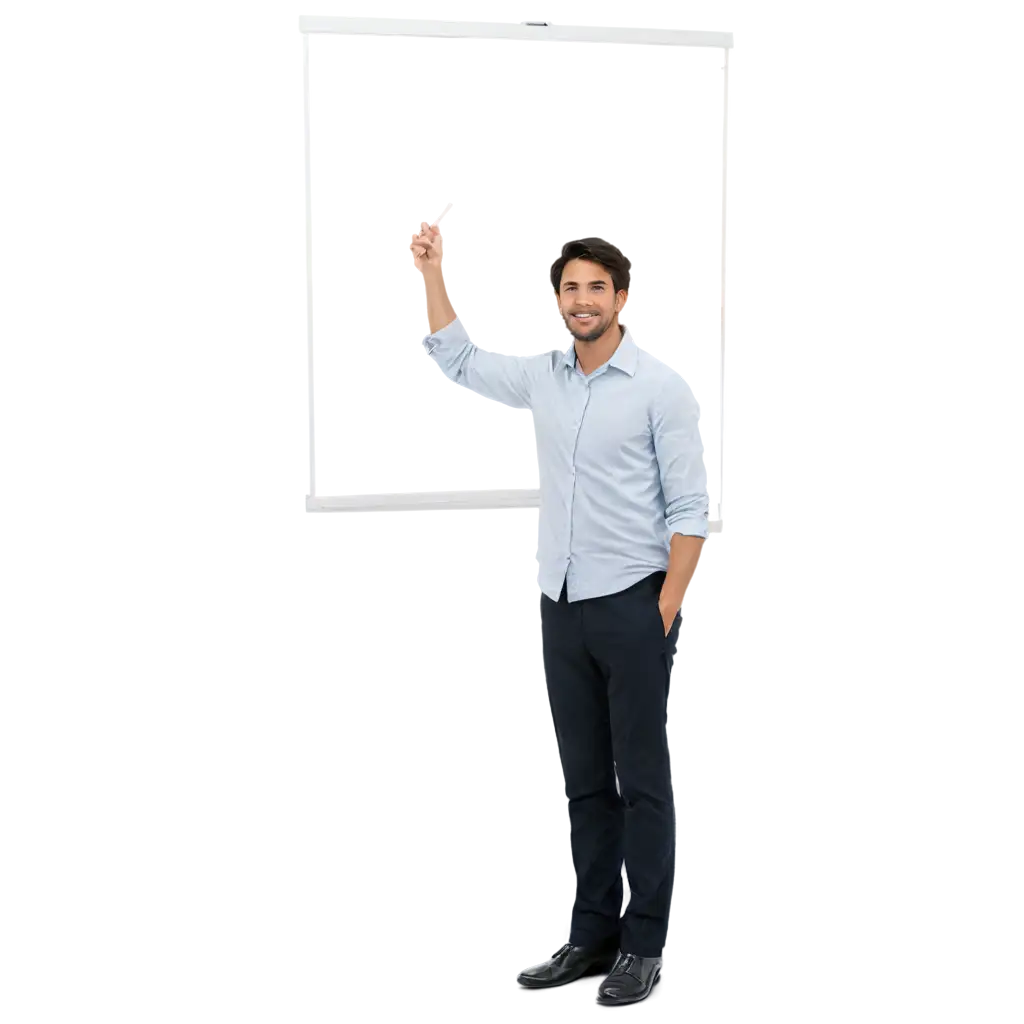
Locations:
690 527
451 332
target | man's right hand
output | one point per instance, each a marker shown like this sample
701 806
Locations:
425 258
427 248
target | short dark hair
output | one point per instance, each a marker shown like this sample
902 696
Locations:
597 250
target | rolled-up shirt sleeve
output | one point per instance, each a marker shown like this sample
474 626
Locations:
680 454
504 378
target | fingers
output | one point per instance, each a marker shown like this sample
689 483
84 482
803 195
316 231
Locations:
422 244
429 230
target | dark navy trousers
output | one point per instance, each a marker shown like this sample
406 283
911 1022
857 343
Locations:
608 662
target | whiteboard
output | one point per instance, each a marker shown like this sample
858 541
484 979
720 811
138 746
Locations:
534 144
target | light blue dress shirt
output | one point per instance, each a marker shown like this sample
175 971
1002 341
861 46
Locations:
619 453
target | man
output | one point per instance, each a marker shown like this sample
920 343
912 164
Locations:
623 517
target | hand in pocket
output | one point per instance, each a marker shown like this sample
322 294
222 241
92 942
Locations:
668 614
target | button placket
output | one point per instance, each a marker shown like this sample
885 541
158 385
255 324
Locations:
581 410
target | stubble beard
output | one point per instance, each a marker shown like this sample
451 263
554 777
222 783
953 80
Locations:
593 334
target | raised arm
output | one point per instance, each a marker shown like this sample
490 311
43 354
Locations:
503 378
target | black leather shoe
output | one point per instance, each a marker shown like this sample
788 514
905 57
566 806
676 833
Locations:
569 963
631 979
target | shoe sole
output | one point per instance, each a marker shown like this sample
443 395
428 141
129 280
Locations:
599 967
634 999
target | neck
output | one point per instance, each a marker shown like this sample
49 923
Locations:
592 354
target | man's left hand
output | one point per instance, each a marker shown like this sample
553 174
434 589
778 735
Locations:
669 606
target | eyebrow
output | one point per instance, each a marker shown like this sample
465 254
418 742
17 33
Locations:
564 283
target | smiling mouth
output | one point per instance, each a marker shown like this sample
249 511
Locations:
584 319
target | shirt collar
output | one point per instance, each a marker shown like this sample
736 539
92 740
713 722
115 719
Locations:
624 357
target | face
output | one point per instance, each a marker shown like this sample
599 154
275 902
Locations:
587 288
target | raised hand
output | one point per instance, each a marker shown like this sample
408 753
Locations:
425 247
